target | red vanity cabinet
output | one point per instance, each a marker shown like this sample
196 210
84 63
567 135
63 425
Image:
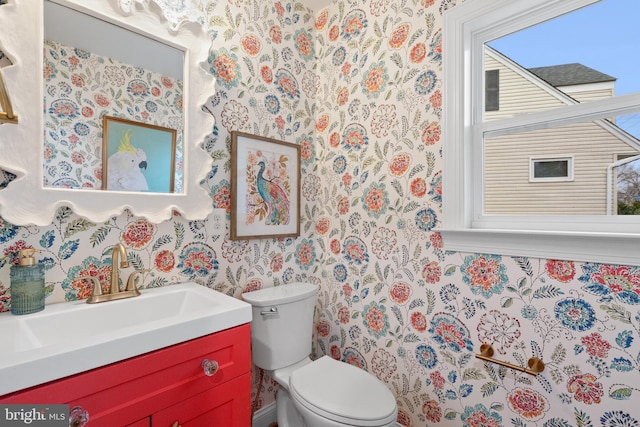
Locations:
202 382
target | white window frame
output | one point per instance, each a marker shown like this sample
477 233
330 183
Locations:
535 159
467 27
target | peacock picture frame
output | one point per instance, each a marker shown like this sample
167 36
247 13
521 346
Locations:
137 156
265 187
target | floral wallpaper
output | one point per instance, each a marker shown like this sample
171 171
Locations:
80 88
395 302
358 87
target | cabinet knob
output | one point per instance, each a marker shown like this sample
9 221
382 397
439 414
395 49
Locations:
210 367
176 424
78 417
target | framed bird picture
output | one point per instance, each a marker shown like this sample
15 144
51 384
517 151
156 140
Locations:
265 187
137 156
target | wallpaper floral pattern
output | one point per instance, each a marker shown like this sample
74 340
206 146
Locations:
80 88
396 303
358 87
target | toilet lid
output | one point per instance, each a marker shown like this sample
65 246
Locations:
343 393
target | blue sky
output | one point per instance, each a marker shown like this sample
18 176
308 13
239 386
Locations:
604 36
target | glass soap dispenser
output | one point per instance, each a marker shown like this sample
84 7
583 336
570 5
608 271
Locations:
27 284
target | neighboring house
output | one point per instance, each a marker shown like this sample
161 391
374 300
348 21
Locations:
550 171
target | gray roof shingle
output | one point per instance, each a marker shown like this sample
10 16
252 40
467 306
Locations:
570 74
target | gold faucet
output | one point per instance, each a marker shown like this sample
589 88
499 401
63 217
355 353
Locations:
115 293
124 263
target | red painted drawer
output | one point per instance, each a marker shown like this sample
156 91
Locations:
125 392
228 405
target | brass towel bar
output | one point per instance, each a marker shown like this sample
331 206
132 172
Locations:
535 365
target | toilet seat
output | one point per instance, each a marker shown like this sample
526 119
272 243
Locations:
343 393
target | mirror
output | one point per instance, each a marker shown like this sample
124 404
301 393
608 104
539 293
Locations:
94 70
6 110
26 200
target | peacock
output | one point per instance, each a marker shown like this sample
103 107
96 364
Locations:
274 197
124 166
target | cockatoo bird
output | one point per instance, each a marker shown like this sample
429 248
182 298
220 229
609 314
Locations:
124 172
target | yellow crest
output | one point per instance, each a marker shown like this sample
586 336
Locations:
125 141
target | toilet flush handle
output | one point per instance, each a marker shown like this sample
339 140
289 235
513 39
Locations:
272 310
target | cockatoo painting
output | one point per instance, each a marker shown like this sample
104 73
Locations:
124 171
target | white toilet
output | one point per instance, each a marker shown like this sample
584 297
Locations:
320 393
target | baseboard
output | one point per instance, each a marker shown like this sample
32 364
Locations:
263 417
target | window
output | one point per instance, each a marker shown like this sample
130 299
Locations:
484 209
492 90
550 169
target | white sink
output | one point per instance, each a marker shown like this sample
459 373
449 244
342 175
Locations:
73 337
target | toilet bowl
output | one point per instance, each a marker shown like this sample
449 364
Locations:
319 393
327 392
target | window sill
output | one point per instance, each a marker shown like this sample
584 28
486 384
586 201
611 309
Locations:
608 248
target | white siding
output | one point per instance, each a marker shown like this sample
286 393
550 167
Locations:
507 186
518 95
588 95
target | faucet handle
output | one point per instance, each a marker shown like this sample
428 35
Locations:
97 287
131 282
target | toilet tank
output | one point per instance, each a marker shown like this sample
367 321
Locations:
281 329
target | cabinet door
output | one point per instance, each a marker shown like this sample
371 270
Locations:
227 405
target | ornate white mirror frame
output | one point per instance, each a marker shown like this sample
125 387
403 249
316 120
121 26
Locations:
25 200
